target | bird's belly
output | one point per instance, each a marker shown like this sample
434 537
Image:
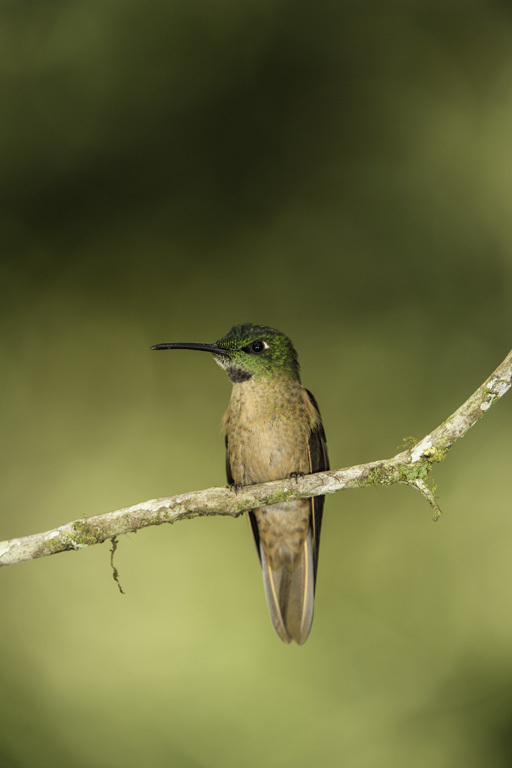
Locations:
272 452
267 452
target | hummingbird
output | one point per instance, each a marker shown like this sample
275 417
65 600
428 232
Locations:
273 430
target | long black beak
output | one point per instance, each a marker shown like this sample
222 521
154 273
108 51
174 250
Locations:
213 348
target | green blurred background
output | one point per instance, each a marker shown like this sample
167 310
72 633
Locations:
343 172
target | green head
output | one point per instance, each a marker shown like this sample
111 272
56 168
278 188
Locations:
250 351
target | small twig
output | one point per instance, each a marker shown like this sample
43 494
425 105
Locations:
115 572
411 467
429 494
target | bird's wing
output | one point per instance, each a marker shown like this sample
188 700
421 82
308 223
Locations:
318 462
229 474
251 517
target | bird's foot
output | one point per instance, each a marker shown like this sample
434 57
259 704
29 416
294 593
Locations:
295 475
235 487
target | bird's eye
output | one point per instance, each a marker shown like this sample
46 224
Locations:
257 347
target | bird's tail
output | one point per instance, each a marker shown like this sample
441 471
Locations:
290 594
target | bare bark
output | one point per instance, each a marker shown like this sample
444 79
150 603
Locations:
411 467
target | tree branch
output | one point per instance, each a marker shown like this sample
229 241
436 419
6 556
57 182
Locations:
410 467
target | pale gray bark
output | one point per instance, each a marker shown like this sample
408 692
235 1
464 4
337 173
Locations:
410 467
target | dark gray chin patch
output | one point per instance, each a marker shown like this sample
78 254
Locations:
238 375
